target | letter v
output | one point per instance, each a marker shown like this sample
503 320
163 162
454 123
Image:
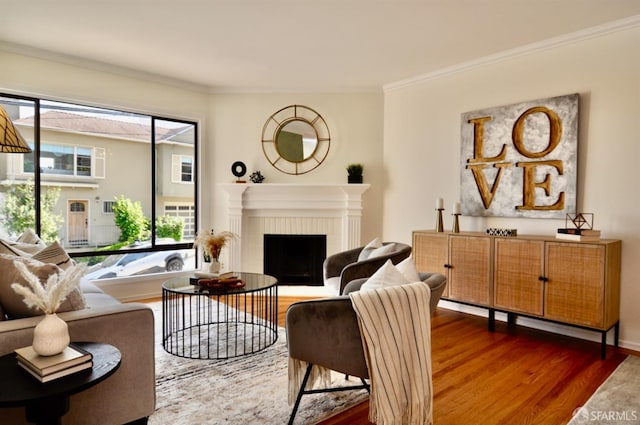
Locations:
485 193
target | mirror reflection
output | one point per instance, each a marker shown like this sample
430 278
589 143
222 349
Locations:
296 140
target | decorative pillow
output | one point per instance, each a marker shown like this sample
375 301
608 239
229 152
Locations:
408 268
383 250
368 248
54 254
30 243
13 303
387 275
7 248
30 237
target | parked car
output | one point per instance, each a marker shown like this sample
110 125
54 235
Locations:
137 263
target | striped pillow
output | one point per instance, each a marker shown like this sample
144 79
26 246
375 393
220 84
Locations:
54 254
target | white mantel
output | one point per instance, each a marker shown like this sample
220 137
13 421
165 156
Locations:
334 210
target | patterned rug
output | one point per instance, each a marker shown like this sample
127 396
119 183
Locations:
616 401
245 390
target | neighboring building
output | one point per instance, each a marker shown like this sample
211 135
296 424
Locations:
94 160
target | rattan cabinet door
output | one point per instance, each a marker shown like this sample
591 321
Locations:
519 267
575 287
470 269
431 254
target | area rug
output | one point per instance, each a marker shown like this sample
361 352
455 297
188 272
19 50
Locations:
244 390
617 400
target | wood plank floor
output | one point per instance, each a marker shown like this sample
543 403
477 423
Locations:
512 376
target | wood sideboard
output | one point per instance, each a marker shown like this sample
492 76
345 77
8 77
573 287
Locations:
560 281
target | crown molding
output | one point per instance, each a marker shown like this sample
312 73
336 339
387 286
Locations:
551 43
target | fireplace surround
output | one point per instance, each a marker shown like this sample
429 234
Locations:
253 210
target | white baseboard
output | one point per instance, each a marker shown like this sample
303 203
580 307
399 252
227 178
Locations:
541 325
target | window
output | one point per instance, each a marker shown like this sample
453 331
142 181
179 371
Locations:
107 207
61 160
150 174
182 169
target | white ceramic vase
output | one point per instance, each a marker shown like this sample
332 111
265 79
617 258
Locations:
50 336
214 266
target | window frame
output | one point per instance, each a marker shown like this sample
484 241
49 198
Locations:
98 170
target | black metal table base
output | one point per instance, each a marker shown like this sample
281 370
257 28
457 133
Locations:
204 325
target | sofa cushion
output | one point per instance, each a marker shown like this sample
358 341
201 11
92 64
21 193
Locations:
368 248
408 268
30 237
383 250
25 245
54 254
386 275
7 248
13 303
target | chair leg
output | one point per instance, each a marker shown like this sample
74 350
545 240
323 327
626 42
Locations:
300 393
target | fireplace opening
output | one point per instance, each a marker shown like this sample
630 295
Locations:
295 259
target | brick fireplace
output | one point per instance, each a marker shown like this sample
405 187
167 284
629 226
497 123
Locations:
290 209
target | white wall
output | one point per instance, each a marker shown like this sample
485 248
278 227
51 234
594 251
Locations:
354 121
422 144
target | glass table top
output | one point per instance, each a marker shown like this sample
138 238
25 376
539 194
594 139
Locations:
252 281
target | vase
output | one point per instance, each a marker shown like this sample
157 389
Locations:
50 336
214 266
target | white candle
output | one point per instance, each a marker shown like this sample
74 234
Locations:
456 208
439 204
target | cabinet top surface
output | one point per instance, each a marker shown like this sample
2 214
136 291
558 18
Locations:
544 238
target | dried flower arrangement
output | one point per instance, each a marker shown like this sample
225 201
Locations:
48 298
212 243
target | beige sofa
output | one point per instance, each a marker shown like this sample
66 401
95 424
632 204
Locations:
129 394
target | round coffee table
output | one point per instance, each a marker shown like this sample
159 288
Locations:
201 323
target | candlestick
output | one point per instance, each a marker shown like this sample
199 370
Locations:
456 223
439 223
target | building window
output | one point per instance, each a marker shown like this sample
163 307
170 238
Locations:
107 207
61 160
182 169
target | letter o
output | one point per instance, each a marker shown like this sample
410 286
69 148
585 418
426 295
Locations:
555 132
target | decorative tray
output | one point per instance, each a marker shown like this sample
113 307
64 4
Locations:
219 282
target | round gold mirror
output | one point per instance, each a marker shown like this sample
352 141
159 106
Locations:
295 139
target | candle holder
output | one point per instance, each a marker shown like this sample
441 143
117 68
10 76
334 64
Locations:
456 223
439 222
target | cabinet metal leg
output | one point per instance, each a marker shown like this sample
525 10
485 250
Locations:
492 320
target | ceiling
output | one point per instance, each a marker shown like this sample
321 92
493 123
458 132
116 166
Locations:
290 45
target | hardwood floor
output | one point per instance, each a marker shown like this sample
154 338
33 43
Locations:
512 376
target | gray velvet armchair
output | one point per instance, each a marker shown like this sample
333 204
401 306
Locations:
325 332
341 268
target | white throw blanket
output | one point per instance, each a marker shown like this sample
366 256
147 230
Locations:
395 323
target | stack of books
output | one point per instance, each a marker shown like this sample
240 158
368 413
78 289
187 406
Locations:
575 234
48 368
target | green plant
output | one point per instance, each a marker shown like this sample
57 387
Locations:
18 212
129 217
168 226
355 169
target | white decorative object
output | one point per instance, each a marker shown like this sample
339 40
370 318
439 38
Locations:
50 336
214 266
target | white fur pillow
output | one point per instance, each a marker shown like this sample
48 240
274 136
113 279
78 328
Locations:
387 275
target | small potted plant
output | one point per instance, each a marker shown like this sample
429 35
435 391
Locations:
354 173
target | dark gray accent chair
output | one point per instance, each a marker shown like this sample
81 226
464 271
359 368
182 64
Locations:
325 332
341 268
